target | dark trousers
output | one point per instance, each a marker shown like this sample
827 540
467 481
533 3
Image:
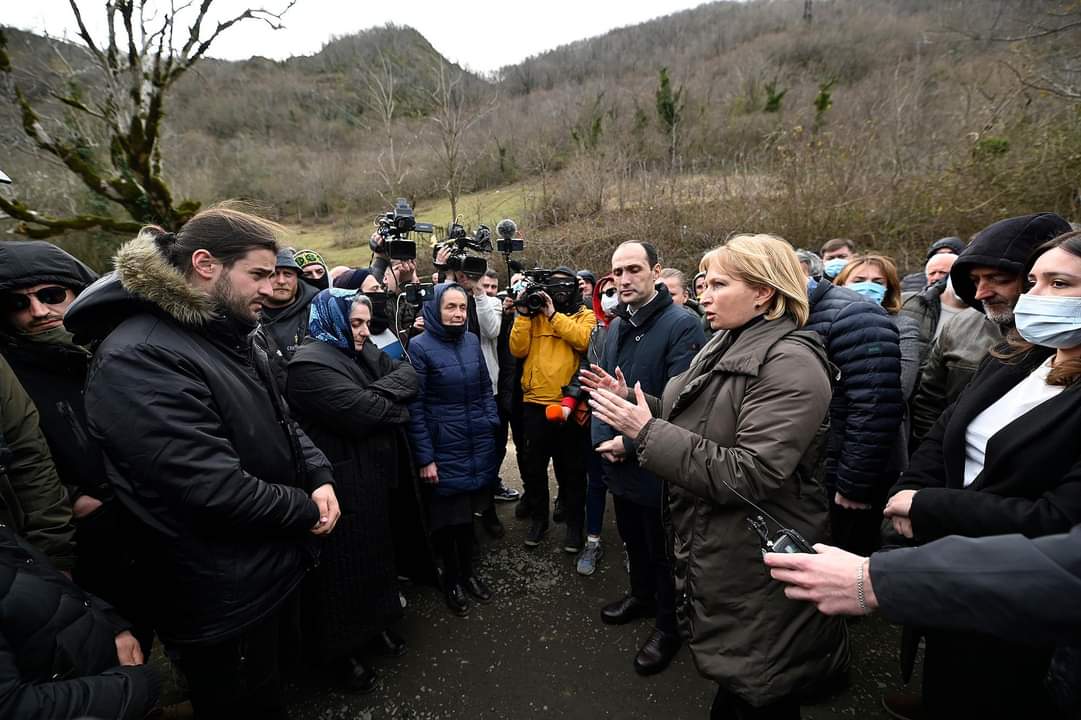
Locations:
566 445
727 706
596 494
240 677
454 544
857 531
642 531
105 566
968 675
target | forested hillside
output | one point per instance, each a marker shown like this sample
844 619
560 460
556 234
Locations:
891 121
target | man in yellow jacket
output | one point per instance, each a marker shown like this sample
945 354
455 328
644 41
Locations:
552 342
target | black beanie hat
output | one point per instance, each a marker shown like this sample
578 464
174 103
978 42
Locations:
956 244
1005 245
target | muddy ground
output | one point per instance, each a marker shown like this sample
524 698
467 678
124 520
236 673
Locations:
540 649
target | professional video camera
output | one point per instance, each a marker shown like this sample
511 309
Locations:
460 243
537 281
394 228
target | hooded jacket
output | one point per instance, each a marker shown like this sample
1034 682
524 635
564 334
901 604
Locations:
1005 245
453 420
867 408
58 656
54 373
198 448
965 341
287 327
750 411
651 347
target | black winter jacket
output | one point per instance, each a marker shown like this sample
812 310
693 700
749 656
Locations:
197 449
1008 496
867 408
57 646
354 407
652 347
54 374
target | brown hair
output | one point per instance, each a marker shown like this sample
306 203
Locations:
765 261
892 302
225 231
837 244
1016 347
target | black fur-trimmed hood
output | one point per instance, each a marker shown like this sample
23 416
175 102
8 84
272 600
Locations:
142 280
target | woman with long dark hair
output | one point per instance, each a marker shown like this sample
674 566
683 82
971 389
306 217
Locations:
1003 459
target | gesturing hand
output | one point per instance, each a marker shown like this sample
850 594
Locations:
327 501
622 416
430 474
613 450
598 378
128 651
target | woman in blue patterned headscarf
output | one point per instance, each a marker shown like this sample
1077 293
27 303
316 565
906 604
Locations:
352 400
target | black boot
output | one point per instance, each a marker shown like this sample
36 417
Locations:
456 600
359 678
521 510
658 651
390 644
478 589
491 524
626 609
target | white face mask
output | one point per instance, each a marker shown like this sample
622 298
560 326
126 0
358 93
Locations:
609 303
1049 321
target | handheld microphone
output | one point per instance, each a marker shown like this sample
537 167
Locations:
554 413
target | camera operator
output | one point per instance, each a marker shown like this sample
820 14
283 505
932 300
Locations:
551 343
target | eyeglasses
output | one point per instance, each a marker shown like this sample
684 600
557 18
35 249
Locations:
17 302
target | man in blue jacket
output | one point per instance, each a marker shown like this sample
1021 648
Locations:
650 340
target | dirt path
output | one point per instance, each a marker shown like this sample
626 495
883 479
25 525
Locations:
540 650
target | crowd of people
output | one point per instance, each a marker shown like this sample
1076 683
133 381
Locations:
230 448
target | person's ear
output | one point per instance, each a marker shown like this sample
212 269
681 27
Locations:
657 271
763 295
204 265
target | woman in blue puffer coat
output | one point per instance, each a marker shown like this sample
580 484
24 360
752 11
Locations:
453 425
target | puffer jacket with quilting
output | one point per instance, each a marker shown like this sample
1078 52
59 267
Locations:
867 408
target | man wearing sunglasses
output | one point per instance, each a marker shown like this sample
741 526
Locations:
38 281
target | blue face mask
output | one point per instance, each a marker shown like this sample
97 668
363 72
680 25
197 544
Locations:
832 268
1053 322
870 290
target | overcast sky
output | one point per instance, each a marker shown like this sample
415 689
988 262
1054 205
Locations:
481 34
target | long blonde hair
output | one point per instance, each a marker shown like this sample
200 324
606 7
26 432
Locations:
765 261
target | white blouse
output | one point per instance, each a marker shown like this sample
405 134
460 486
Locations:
1026 395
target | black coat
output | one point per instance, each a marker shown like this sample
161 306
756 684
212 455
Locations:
54 376
1031 480
652 347
867 408
197 449
57 646
354 409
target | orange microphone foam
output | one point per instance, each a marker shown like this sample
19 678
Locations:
554 413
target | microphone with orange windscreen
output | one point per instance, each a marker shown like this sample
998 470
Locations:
554 413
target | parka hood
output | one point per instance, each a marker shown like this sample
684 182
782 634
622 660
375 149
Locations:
142 280
1005 245
25 263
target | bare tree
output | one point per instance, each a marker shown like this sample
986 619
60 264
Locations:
1044 40
454 112
109 136
381 96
